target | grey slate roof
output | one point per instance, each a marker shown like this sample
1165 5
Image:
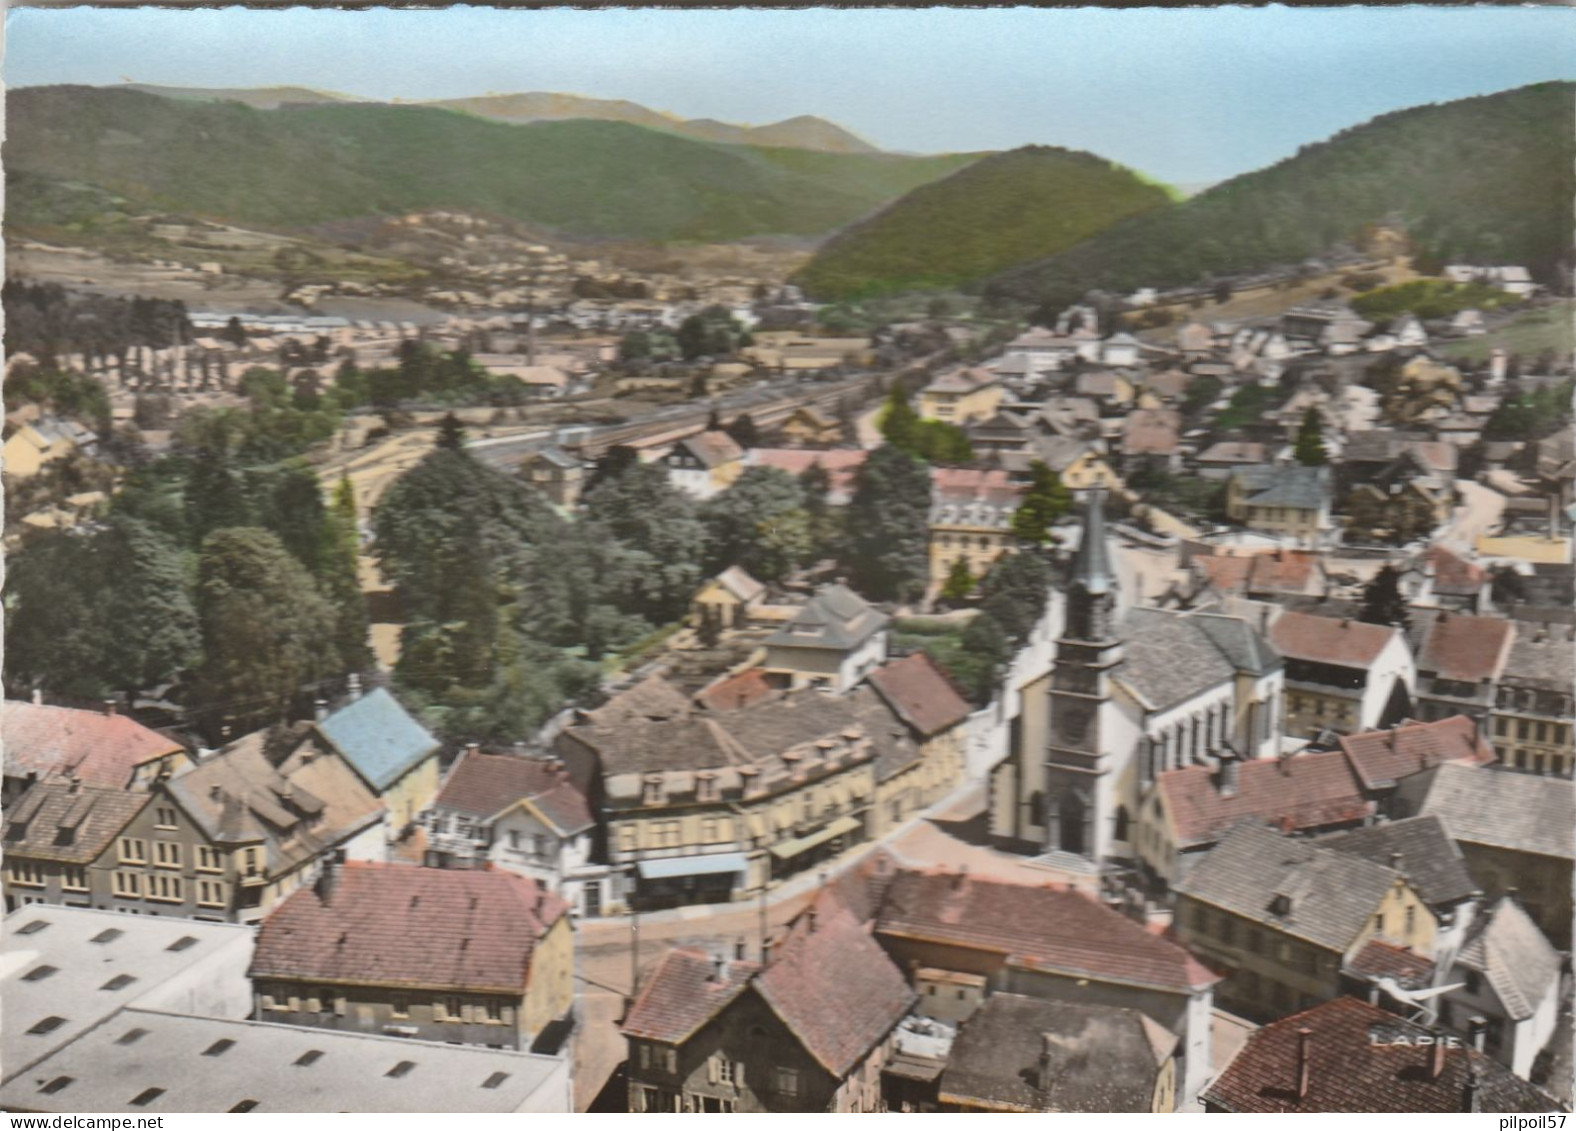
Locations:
1429 859
1171 656
1332 894
1548 664
377 737
836 617
1239 642
1305 488
1520 812
1092 570
1507 948
1102 1058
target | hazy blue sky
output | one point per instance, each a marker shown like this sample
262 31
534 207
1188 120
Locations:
1185 95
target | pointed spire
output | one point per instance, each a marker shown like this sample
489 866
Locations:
1092 570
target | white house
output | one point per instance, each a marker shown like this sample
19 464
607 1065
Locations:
1508 974
834 642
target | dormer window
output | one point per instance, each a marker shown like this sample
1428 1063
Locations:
1281 905
655 793
706 787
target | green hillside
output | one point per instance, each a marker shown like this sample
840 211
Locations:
1483 179
1006 209
299 166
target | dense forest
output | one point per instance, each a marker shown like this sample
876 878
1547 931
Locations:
1006 209
1485 180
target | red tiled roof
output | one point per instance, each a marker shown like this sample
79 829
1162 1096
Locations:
483 784
920 693
1226 572
713 448
1037 927
1152 430
841 464
1308 791
1454 576
1383 960
834 987
682 994
735 691
1325 640
1466 648
1384 757
101 749
1288 571
396 925
1362 1059
974 483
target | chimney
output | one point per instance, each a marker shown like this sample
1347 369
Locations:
719 968
1396 859
1470 1101
76 784
1436 1057
320 709
1304 1057
353 686
38 696
809 920
109 706
1477 1031
473 748
1047 1050
738 950
328 875
215 792
1228 775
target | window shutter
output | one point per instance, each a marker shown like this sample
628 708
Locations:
339 1005
738 1075
645 1056
711 1069
467 1012
673 1060
268 1001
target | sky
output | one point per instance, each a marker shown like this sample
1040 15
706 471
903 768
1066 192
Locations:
1183 95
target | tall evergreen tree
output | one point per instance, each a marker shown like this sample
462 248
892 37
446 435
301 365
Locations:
1383 602
889 525
1310 449
1046 500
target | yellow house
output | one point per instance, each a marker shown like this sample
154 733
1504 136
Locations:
915 771
962 396
1287 918
389 750
808 425
704 464
970 520
726 600
1292 500
41 441
1087 470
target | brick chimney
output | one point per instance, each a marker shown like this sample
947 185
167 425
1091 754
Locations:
1047 1051
328 875
1436 1057
1304 1061
109 706
1228 775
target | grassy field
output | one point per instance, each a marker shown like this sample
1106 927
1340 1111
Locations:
1527 335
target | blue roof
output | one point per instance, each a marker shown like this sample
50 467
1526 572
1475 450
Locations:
378 737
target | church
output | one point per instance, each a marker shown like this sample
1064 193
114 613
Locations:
1132 692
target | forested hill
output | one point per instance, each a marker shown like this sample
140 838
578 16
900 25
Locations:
1006 209
1484 179
297 166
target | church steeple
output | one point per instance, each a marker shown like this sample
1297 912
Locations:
1091 590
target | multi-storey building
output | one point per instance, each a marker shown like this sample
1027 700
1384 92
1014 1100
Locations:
1532 720
1342 675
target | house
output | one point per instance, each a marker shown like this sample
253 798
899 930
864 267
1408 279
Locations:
1025 1054
1285 916
920 732
555 473
1132 692
1342 675
1194 340
481 957
1045 350
1348 1056
523 815
391 751
69 969
961 396
1191 808
1292 501
807 426
1383 759
1508 975
840 464
101 748
808 1031
1007 431
1120 349
1446 580
222 841
704 464
699 807
834 641
141 1061
1112 391
1266 575
42 441
1223 457
1513 829
1051 944
1409 333
1531 723
1460 660
1152 434
971 516
1422 851
726 601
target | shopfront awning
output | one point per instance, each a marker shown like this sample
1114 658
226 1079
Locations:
711 865
837 828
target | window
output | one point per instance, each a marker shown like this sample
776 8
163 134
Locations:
249 862
655 794
209 860
164 817
1411 921
706 788
628 838
27 873
1228 930
146 1097
326 998
128 885
166 854
219 1047
165 889
724 1069
132 850
399 1005
309 1058
73 877
708 829
788 1081
494 1009
514 839
401 1069
118 982
211 893
38 973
